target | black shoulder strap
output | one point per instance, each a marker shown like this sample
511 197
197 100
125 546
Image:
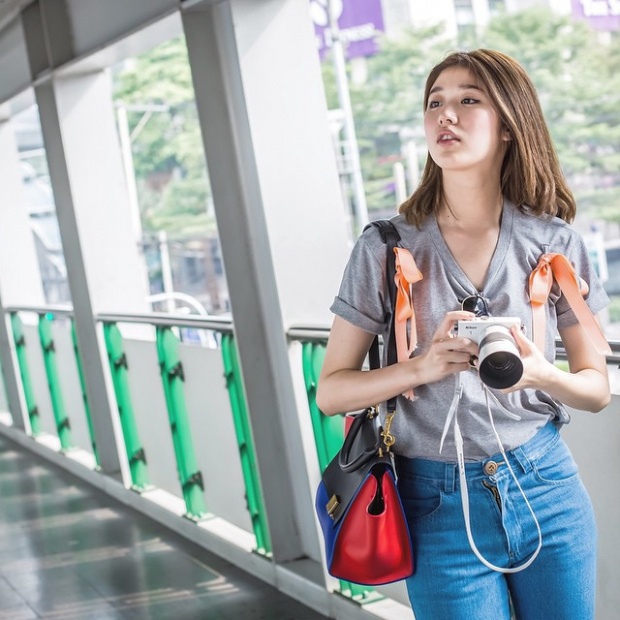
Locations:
386 228
391 238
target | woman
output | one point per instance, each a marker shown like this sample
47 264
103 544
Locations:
492 200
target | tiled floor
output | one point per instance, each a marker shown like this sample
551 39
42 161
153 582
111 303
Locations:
68 551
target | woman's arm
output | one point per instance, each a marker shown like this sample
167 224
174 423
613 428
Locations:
585 386
343 386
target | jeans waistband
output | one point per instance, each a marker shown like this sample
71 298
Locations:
447 472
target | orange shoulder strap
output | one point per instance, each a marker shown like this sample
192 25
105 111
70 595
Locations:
556 266
407 274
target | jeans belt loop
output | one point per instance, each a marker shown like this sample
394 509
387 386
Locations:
521 458
450 478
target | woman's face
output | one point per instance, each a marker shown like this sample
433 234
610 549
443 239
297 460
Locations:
461 125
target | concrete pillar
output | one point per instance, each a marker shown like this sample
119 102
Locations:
20 278
103 265
280 216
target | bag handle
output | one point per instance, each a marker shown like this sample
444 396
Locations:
369 452
556 266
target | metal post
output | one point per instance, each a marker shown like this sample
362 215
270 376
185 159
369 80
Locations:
63 426
245 442
24 371
130 174
173 379
166 270
118 370
342 85
400 182
78 363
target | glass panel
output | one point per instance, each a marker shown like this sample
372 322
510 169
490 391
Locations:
168 182
41 206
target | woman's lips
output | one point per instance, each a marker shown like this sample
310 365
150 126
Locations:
446 137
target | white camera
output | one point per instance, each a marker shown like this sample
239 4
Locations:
499 360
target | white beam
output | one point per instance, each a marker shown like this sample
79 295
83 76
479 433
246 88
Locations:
104 269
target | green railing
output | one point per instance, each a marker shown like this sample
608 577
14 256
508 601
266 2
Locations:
173 379
328 431
80 372
172 375
24 372
48 347
119 370
238 404
45 323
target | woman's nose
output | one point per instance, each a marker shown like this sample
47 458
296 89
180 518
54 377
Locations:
446 118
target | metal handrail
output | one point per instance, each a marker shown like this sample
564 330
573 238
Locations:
614 345
307 333
57 310
158 319
223 325
321 334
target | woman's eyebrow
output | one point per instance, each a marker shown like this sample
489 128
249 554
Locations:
436 89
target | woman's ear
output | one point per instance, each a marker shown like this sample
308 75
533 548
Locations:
506 135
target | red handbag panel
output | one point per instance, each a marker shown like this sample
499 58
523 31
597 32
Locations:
374 548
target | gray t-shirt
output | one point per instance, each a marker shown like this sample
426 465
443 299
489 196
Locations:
523 238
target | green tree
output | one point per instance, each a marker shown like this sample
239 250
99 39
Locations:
390 102
167 147
574 71
576 75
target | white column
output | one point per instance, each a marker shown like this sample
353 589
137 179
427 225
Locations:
306 220
95 221
281 221
285 99
20 278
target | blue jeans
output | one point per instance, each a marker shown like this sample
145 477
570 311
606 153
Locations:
450 583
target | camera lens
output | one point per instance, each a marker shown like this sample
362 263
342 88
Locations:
499 362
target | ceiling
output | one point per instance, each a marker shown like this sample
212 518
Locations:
10 8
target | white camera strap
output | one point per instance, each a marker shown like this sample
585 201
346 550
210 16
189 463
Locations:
455 403
458 440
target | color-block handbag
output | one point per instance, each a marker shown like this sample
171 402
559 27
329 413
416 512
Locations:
367 539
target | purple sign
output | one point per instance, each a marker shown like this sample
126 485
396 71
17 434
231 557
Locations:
359 23
600 14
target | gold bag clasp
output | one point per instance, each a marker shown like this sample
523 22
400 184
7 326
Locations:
332 504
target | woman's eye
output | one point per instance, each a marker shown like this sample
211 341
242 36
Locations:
433 104
469 101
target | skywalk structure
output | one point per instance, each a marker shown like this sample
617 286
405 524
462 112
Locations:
222 444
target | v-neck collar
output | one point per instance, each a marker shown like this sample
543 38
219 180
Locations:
499 254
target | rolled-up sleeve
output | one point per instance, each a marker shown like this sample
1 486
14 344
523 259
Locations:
361 298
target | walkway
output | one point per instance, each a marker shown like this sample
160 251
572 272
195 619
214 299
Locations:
71 552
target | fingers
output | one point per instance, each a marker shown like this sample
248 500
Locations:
448 354
458 345
446 327
453 354
525 345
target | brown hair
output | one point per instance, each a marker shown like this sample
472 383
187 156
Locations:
531 173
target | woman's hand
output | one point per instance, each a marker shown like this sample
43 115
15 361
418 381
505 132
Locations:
447 353
536 369
585 386
343 386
